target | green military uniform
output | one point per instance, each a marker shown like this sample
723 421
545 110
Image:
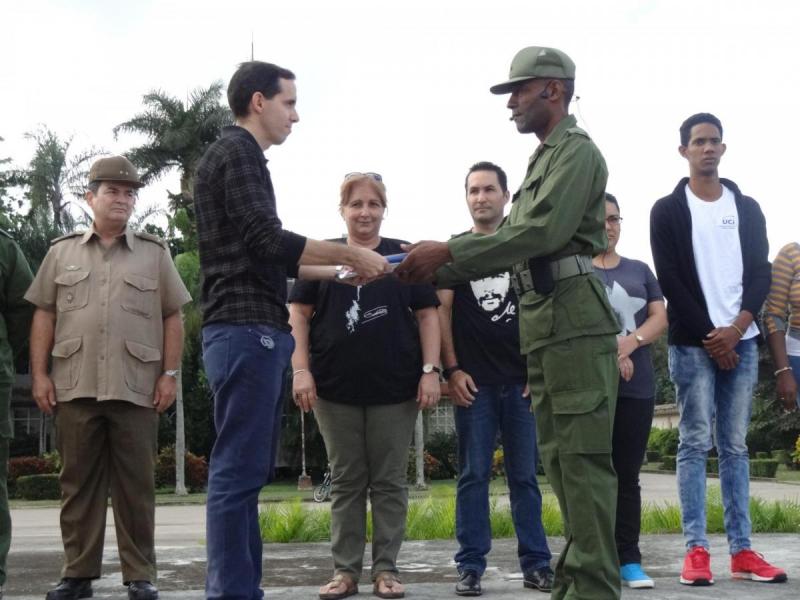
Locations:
15 324
568 335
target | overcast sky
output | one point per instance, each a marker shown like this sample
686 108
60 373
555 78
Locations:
401 88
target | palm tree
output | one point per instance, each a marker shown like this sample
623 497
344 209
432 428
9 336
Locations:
55 177
178 135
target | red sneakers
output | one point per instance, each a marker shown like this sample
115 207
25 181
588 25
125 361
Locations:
751 565
697 567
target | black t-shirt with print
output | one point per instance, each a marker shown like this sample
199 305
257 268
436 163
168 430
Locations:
364 341
486 331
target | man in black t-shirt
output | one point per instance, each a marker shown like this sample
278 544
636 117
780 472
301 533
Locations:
486 375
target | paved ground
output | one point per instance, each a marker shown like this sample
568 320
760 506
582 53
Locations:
294 571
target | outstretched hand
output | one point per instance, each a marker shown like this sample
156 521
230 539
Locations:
422 261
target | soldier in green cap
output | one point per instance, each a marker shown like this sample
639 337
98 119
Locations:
567 328
15 322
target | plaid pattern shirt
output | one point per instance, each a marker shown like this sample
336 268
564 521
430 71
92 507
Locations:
245 254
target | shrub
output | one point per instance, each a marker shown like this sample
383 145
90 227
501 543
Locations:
763 467
762 455
28 465
668 463
653 456
498 463
39 487
431 467
796 453
196 470
712 465
443 446
783 457
668 443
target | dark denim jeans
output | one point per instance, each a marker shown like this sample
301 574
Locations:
245 365
714 407
503 407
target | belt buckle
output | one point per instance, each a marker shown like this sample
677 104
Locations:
526 281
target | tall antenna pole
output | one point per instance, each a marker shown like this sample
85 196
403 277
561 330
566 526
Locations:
252 53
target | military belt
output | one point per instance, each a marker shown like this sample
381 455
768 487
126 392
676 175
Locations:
523 280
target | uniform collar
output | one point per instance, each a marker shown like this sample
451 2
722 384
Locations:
92 232
560 130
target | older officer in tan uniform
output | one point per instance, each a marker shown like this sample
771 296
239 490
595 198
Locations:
108 312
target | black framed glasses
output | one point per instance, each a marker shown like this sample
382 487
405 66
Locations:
614 220
370 174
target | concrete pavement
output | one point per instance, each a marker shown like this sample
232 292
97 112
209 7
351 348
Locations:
294 571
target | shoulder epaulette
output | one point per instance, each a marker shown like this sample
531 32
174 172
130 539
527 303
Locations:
66 237
579 131
150 238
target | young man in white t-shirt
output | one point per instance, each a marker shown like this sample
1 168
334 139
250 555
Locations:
710 250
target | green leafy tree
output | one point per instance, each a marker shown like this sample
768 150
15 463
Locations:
178 134
56 178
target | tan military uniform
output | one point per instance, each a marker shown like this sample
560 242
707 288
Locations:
110 304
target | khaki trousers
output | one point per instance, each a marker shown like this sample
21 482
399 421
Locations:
368 450
109 444
573 387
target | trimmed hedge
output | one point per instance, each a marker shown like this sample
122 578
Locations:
39 487
196 470
763 467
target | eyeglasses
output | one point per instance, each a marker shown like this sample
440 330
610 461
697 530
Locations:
614 220
370 174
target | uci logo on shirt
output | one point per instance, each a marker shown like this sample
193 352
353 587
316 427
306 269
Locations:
728 222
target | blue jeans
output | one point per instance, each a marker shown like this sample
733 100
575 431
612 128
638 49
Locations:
794 361
245 365
504 407
714 407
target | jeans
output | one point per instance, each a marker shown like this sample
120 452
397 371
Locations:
503 407
714 407
245 365
632 423
794 362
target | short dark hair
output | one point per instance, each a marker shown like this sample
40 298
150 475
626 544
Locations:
613 199
94 187
686 126
251 77
485 165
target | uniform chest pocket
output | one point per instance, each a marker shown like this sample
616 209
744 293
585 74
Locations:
73 290
528 188
139 294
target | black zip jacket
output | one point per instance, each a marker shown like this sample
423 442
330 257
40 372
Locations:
671 243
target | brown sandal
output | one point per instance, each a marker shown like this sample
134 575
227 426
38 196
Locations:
350 588
390 580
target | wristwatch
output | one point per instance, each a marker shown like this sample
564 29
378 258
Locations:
172 373
639 339
430 368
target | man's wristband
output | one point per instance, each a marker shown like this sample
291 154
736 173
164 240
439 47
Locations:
739 331
449 371
297 371
782 370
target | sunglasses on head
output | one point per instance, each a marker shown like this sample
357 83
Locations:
370 174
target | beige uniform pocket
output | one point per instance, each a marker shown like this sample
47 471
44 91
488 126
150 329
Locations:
67 360
142 367
139 295
73 290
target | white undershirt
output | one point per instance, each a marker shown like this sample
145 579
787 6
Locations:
718 256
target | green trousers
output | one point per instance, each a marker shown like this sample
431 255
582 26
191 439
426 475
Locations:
573 387
368 450
108 445
5 514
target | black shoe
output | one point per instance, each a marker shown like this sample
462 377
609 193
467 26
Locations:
469 584
71 588
142 590
539 579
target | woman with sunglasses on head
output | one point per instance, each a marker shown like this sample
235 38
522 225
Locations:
365 362
638 303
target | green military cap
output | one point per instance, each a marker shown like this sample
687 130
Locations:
536 62
115 168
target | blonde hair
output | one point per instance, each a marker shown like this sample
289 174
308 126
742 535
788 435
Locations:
351 182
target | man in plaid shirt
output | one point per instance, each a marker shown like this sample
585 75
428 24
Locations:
245 256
